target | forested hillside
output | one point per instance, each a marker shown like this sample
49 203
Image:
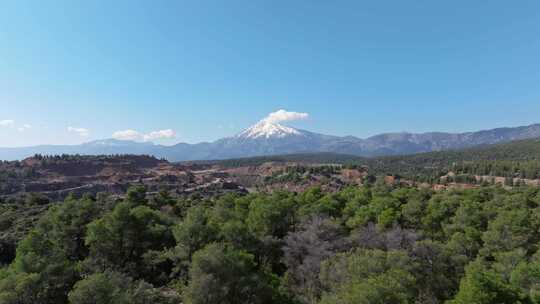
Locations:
305 158
515 159
374 244
520 159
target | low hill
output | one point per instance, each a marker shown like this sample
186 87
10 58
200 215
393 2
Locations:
518 158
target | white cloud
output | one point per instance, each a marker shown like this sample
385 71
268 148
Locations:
135 135
7 123
282 115
168 133
83 132
127 135
24 128
10 123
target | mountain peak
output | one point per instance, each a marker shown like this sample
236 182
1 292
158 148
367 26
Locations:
267 129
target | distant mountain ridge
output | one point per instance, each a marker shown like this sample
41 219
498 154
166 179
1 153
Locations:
266 138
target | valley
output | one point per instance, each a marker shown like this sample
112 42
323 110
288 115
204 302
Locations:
510 164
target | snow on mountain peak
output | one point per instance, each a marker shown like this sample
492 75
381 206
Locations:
268 129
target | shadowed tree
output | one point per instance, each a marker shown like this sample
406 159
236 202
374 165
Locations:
222 274
317 239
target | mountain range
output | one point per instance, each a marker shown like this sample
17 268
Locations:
267 138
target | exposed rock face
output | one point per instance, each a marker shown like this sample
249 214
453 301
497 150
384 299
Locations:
57 177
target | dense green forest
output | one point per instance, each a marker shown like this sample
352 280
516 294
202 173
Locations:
372 244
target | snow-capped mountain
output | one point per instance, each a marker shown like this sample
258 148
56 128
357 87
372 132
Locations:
270 138
265 138
266 129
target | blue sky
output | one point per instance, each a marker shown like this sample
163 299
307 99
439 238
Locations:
208 69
